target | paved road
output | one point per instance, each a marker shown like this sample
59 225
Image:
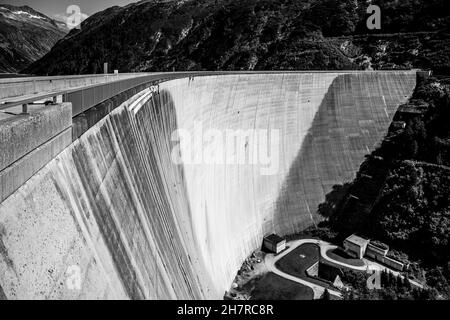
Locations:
369 266
379 267
271 260
325 247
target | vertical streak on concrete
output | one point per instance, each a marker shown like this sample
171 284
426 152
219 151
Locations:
2 294
141 227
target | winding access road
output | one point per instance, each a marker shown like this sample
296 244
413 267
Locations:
369 266
271 260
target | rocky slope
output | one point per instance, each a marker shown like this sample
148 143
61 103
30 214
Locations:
400 193
255 35
25 36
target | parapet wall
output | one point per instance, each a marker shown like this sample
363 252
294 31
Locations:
28 142
14 87
136 224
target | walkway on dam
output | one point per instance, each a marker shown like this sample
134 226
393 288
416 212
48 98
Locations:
16 91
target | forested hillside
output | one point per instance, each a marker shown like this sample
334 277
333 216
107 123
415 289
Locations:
401 193
255 35
25 36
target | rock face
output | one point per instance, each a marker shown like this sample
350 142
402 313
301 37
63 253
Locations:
25 36
255 35
136 224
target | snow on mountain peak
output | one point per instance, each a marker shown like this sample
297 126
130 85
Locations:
32 16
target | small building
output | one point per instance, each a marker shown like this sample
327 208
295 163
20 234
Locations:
393 263
377 250
338 283
329 272
408 112
356 246
274 243
313 271
398 125
424 74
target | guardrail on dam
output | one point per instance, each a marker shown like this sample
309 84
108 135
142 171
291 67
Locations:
13 87
114 216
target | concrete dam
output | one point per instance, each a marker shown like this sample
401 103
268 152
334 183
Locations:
116 207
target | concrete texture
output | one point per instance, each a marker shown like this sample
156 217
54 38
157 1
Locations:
14 176
140 226
22 134
86 120
29 142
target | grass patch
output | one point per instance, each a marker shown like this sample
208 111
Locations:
341 256
301 259
273 287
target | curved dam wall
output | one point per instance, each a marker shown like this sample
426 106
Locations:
166 196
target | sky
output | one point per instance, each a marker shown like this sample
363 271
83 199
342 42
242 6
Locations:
57 8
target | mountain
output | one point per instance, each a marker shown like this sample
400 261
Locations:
255 35
25 36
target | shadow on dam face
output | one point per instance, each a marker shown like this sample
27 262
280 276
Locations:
115 209
350 122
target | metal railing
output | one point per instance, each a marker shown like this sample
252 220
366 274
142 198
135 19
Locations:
87 97
16 87
84 98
